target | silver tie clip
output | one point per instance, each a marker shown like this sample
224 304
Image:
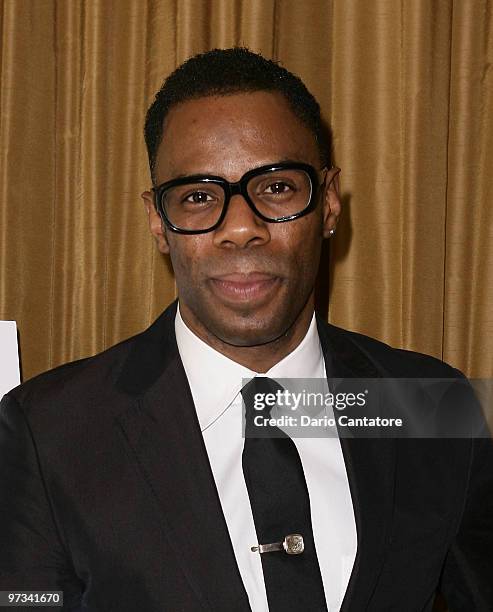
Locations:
293 545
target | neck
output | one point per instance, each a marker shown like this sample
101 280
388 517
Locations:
258 358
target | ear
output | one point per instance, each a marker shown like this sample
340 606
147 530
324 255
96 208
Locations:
156 225
331 201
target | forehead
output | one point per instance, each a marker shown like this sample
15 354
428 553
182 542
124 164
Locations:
229 135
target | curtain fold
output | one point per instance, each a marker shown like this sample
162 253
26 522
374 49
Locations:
406 86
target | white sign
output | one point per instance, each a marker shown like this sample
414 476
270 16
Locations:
9 357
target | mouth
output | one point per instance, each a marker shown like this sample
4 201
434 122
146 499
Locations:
249 289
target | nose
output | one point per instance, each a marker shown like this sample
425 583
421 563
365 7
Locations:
241 227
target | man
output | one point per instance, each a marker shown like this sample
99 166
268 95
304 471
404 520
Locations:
125 479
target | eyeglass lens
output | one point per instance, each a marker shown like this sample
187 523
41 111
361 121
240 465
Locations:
276 195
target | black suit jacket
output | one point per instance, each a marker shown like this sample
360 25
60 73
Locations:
107 492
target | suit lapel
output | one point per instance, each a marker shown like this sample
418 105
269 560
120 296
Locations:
163 431
370 465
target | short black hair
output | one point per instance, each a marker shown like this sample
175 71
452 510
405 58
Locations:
228 71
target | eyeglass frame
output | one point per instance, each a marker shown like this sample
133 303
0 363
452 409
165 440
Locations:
240 188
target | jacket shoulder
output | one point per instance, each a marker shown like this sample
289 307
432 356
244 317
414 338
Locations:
88 376
93 376
391 361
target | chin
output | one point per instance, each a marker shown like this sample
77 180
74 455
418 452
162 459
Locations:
245 325
250 332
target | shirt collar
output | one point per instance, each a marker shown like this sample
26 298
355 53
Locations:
215 380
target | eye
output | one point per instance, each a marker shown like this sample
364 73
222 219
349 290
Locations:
198 197
279 187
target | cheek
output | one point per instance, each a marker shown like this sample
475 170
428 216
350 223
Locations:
303 247
186 253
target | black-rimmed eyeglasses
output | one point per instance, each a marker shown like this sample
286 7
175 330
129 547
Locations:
276 193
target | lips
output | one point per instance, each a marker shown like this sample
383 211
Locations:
245 287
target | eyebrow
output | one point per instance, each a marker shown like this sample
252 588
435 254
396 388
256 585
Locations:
282 160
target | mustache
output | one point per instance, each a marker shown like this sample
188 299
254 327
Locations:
245 264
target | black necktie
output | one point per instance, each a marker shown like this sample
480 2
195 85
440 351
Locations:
281 507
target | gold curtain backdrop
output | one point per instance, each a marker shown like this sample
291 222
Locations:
407 86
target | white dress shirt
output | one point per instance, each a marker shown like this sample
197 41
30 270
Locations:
216 382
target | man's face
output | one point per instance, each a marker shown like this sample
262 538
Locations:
249 281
